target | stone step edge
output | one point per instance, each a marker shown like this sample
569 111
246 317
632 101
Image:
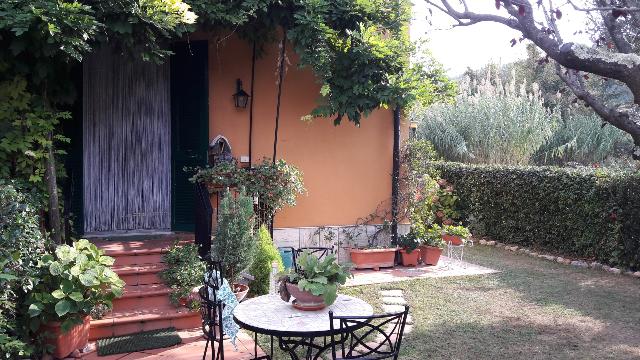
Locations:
142 294
138 252
158 314
150 268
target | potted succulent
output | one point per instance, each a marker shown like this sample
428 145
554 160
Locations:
235 241
432 245
455 235
378 253
72 281
315 284
409 244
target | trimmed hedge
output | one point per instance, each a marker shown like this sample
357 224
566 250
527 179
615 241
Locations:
583 213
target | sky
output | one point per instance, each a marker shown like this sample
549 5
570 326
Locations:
477 45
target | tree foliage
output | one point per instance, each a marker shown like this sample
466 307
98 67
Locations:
613 55
490 122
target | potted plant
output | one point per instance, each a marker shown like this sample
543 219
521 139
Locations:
455 235
378 253
315 284
235 242
184 271
409 244
432 245
72 281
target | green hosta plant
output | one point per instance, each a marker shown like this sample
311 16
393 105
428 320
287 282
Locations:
319 277
73 280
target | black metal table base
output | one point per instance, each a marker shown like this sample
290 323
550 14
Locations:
293 345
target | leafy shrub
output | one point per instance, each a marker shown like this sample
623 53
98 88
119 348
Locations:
266 254
498 124
234 242
319 277
72 281
183 272
583 213
21 246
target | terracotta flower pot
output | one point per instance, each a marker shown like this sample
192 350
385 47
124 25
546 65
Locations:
304 299
65 343
410 258
453 239
373 258
430 254
240 291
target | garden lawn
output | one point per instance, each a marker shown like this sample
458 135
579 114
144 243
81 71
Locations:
532 309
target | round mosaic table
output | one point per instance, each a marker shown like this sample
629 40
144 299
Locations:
295 329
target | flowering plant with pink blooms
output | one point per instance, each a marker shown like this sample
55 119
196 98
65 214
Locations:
437 204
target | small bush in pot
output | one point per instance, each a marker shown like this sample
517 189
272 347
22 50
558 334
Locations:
265 255
72 281
184 271
315 282
409 244
234 244
432 245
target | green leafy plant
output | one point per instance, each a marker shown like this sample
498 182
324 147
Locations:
431 236
184 271
261 268
437 204
72 281
319 277
456 230
409 241
275 184
234 243
22 244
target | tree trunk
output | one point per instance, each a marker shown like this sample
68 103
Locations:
52 186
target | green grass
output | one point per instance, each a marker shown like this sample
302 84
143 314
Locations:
532 309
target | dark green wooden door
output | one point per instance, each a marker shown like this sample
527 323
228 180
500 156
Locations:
189 125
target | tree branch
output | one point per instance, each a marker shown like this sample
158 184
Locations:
601 7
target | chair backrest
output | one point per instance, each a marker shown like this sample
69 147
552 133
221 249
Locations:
356 336
319 252
203 213
213 276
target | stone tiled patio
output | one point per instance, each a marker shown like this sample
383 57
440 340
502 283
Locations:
192 348
445 267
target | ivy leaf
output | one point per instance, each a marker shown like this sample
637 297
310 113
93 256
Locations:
58 294
76 296
62 307
35 309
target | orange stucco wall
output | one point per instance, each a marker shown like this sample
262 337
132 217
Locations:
347 170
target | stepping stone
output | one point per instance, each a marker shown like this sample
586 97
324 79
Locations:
409 320
392 308
394 301
408 329
391 293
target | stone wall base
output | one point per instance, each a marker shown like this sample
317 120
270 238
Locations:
338 237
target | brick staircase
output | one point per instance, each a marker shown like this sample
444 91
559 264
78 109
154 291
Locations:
145 304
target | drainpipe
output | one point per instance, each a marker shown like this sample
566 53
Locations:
395 176
253 76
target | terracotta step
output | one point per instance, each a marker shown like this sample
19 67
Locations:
143 297
129 322
140 252
143 274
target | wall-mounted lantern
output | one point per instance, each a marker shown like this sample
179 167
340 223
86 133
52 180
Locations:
241 98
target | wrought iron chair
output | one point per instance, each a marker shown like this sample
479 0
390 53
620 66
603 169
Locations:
211 311
373 337
317 251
